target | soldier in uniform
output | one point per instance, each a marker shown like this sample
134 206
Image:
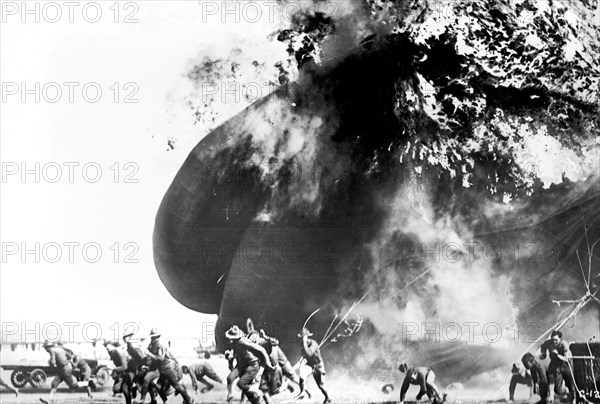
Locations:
519 376
279 358
559 373
422 377
122 376
168 367
248 355
61 359
538 376
143 377
231 359
271 381
233 373
201 370
312 354
84 372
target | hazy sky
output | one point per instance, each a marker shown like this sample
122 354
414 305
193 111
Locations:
97 209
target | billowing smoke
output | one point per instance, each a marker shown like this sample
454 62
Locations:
454 182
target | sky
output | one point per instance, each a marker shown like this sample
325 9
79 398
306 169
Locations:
99 163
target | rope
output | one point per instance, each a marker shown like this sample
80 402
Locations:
358 302
557 326
575 383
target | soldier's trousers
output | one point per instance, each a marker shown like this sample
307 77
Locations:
518 378
560 375
172 377
247 376
65 374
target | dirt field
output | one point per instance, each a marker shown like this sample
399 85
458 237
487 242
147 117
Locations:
218 395
104 395
342 387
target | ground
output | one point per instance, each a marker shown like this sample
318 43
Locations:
343 388
217 395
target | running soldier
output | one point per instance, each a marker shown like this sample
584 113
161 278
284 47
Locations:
61 359
201 370
231 360
422 377
559 373
312 354
278 358
270 382
84 373
143 377
538 376
122 376
233 373
169 369
248 356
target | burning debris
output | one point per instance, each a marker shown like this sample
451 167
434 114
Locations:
450 149
171 144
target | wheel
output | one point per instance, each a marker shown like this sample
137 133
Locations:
102 376
19 378
37 377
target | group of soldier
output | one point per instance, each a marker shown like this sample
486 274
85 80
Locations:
252 350
153 371
157 372
556 379
72 369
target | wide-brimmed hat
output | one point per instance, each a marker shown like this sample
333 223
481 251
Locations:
128 335
305 332
234 333
154 333
48 344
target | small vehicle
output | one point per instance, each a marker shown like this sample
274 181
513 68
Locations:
36 375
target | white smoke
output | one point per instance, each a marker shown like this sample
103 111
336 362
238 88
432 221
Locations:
453 282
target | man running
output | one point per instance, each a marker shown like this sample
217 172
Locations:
167 365
123 379
143 377
270 382
559 373
248 355
84 373
61 359
279 358
312 354
422 377
233 373
538 376
201 370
